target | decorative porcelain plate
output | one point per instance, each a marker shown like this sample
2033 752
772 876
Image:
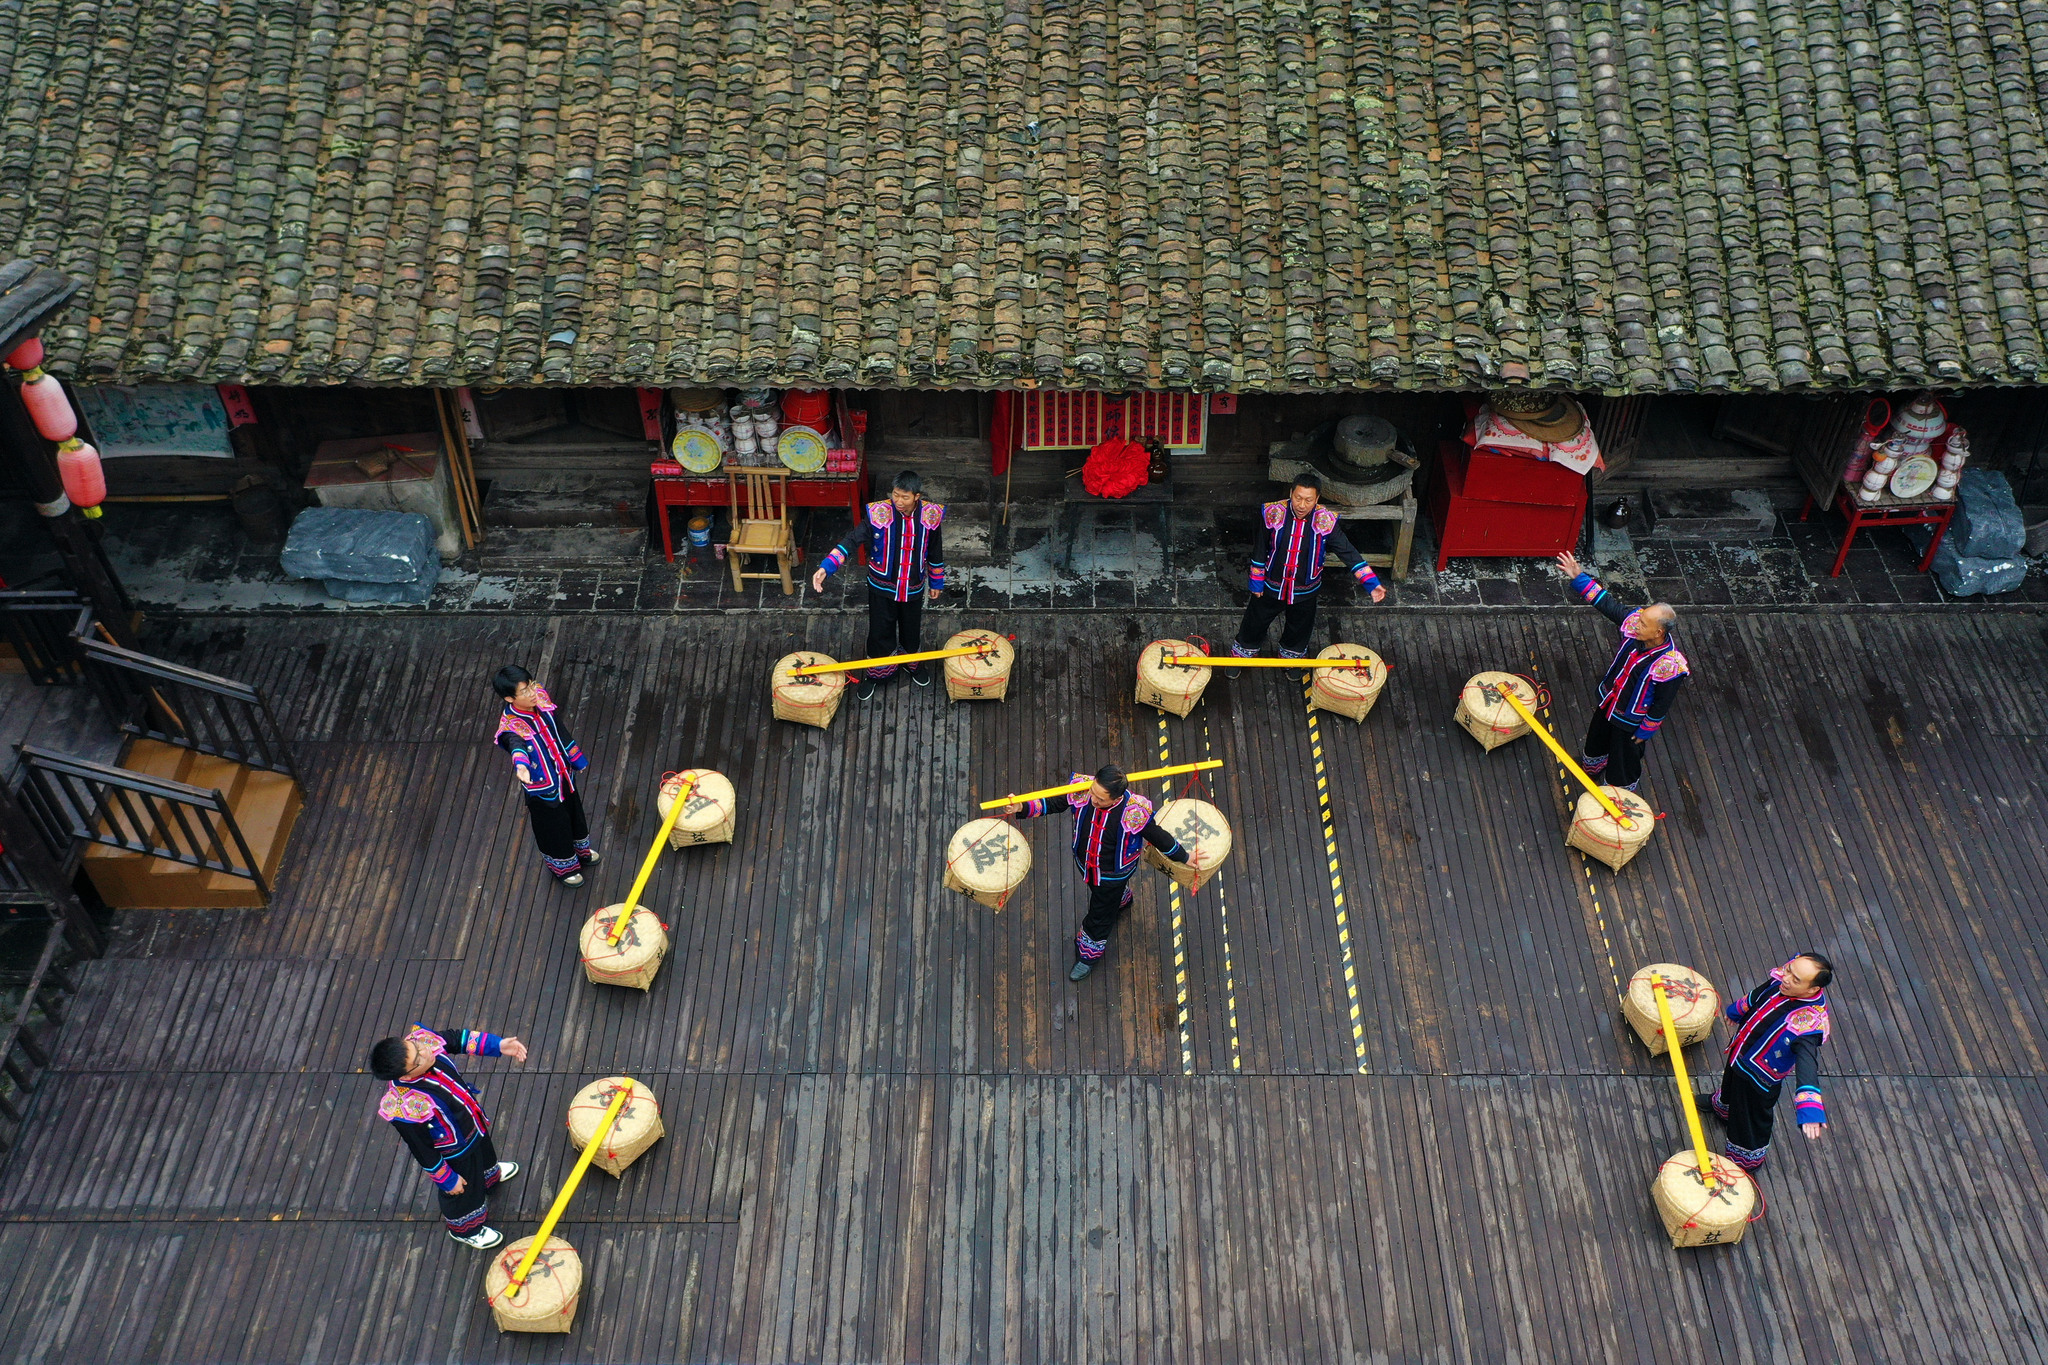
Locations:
803 450
1915 476
698 452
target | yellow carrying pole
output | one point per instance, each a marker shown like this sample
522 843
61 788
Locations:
647 864
1225 661
547 1225
1085 785
1507 695
1685 1097
892 659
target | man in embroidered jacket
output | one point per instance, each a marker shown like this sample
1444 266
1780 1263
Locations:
1287 573
440 1118
1780 1028
546 763
906 569
1639 686
1111 822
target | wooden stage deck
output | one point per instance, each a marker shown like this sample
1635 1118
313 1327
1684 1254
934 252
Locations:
898 1133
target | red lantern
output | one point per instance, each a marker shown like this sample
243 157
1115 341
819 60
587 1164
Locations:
51 411
26 356
85 482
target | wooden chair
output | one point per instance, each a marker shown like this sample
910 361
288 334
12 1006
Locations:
764 530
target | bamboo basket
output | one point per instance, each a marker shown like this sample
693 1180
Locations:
1485 716
709 812
1595 833
1696 1216
634 959
1170 687
1694 1003
979 677
547 1301
637 1127
1202 830
987 859
811 702
1346 691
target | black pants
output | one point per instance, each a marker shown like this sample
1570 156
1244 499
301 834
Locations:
560 831
1107 902
1751 1113
1258 619
893 628
468 1211
1613 754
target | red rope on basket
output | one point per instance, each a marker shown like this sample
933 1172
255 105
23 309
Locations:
1542 692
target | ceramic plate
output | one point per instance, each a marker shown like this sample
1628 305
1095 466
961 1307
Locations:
698 452
1914 476
803 450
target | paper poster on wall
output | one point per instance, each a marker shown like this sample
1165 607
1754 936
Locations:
156 419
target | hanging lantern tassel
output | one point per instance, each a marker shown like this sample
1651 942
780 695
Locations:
85 482
44 398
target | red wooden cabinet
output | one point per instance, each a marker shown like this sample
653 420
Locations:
1544 519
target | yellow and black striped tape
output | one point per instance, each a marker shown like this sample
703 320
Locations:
1315 745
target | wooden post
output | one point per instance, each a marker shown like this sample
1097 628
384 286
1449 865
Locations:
84 563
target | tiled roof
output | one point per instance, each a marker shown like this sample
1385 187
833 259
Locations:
1233 194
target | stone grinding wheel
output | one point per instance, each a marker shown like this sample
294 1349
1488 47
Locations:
634 959
1364 440
1694 1004
1170 687
1695 1215
708 813
988 860
637 1128
813 701
1485 716
1595 833
547 1301
979 677
1202 831
1347 691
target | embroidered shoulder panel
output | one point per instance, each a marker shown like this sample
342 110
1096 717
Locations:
931 514
403 1105
511 723
1276 514
1137 813
1325 521
882 513
1809 1019
1670 666
427 1039
1628 624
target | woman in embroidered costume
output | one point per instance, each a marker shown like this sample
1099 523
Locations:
1110 823
1287 575
546 762
440 1118
1639 686
1781 1026
906 569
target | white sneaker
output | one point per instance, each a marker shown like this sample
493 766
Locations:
573 879
507 1170
483 1239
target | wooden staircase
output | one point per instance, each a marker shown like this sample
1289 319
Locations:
265 806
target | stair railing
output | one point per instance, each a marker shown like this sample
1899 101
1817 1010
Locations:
25 1046
153 698
74 800
40 627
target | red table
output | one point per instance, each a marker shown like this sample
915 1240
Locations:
710 490
1886 511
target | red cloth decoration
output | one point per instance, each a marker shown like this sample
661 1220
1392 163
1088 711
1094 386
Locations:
1115 469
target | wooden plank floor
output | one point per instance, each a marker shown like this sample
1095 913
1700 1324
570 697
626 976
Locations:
897 1132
